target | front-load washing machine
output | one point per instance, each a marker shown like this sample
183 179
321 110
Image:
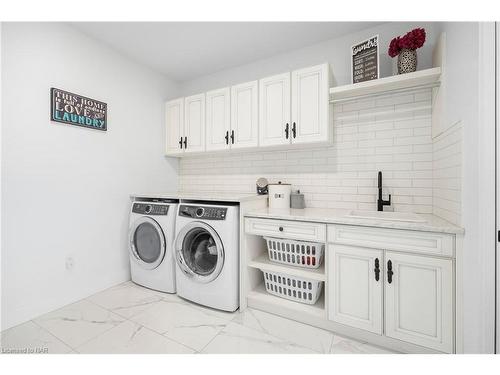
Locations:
207 254
151 236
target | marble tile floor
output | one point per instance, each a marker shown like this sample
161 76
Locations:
128 318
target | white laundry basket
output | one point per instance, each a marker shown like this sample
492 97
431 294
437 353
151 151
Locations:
295 253
294 288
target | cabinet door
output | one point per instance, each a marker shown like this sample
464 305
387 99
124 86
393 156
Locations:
174 122
355 294
274 110
419 300
245 115
194 123
310 101
218 119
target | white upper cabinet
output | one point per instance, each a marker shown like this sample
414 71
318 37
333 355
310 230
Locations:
174 119
419 300
218 107
194 123
285 109
356 281
310 101
274 110
294 107
245 115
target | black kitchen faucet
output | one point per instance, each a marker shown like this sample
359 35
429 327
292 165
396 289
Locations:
380 202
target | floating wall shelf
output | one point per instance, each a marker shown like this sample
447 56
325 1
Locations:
402 82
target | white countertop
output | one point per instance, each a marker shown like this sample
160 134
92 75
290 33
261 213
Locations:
337 216
208 196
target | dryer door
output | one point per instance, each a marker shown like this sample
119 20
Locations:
147 242
199 252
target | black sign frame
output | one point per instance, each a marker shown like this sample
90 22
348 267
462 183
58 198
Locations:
360 52
93 113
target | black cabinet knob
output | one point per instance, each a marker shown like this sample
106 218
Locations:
389 272
281 229
377 269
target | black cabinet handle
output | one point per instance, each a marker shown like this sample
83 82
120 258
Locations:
294 130
377 270
227 137
286 130
389 272
232 137
180 143
281 229
185 142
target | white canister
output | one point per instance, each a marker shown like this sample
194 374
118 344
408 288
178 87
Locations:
279 195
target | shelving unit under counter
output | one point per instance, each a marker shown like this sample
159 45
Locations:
255 261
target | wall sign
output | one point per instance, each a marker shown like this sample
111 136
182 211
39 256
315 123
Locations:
74 109
365 60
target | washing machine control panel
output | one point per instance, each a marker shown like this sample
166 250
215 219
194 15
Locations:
150 209
203 212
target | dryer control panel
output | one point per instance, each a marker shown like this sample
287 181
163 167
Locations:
150 209
203 212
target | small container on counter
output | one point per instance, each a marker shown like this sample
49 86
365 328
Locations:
297 200
262 186
279 195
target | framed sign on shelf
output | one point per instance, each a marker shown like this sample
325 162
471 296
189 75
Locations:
365 60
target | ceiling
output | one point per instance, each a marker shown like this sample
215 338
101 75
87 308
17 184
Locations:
186 50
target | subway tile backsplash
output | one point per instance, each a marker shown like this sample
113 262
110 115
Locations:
390 133
447 174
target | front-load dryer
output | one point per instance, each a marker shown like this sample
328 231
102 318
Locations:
207 254
151 236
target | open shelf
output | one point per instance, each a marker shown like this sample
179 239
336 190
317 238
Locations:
260 296
387 85
262 262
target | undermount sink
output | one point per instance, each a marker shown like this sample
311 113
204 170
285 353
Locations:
390 216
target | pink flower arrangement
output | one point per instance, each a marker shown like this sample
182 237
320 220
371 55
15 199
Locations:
412 40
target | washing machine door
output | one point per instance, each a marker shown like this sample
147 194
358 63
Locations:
147 243
199 252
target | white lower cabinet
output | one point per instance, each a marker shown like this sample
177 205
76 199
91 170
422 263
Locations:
355 277
402 296
419 300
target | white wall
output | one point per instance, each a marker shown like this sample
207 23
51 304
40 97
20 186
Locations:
65 189
464 85
334 51
1 127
